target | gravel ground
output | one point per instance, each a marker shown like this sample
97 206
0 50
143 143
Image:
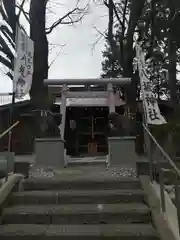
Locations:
124 172
37 172
121 171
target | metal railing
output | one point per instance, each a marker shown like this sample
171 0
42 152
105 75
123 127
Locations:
157 157
9 133
9 129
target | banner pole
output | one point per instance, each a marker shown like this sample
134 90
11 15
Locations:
11 115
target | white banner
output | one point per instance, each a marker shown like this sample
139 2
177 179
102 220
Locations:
151 108
23 67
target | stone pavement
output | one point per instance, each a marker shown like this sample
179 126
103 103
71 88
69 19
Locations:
79 171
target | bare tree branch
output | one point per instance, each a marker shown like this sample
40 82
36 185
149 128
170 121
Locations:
5 49
26 15
117 15
106 3
80 13
8 34
102 35
110 23
53 61
6 63
8 38
9 6
123 30
9 75
4 16
124 17
20 9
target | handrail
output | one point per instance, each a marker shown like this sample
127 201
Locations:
9 129
161 180
8 186
9 132
173 165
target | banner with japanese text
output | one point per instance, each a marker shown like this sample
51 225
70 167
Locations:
151 108
23 67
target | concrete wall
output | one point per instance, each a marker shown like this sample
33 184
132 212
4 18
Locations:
166 223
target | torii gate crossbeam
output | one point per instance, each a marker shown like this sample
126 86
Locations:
79 81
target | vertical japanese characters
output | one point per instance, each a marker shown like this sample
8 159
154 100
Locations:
23 68
151 108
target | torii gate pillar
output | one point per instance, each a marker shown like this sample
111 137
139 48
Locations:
63 109
111 102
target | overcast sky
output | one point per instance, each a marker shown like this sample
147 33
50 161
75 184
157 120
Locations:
76 59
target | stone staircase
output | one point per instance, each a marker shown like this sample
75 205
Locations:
76 209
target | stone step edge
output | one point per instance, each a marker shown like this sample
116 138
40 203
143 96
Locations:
77 209
69 179
78 230
83 193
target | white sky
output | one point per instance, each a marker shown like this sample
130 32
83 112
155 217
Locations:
76 59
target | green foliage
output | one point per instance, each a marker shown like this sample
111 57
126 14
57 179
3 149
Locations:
168 135
110 65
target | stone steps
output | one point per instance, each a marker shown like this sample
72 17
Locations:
69 232
77 208
80 183
77 214
77 196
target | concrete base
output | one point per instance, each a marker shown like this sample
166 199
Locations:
22 168
49 152
122 151
166 223
142 167
6 163
8 186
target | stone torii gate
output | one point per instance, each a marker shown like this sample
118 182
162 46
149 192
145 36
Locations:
60 86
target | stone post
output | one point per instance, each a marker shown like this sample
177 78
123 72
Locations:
63 109
111 98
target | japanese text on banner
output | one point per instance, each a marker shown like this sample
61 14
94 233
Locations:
151 108
23 69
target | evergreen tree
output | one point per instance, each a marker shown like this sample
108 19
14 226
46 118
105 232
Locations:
110 65
158 34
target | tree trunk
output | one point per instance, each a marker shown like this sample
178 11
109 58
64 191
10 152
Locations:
172 72
44 125
39 93
172 56
135 13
